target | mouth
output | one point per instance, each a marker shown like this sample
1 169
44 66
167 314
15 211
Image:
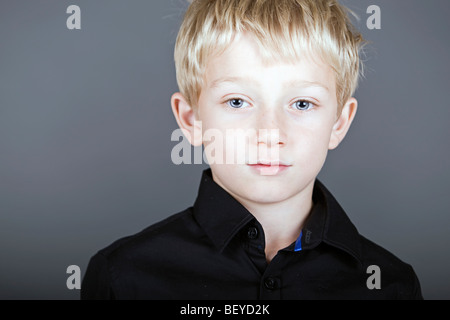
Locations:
269 168
270 163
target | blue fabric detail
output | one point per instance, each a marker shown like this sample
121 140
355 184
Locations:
298 242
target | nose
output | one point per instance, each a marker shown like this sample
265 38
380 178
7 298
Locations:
270 128
269 137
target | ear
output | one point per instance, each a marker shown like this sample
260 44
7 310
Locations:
343 123
185 117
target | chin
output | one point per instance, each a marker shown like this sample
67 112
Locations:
266 195
259 189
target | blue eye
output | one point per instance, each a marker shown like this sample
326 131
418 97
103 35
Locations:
303 105
236 103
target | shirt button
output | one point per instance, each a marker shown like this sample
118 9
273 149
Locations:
270 283
252 233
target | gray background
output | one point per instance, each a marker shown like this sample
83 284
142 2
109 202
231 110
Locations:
85 126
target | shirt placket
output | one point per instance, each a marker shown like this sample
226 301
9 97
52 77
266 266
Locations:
270 274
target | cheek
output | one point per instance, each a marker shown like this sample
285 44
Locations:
225 143
310 142
230 136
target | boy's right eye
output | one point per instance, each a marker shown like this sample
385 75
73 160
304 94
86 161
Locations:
236 103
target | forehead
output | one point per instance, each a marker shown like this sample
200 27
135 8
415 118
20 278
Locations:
243 61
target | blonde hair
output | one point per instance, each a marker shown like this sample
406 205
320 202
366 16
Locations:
284 29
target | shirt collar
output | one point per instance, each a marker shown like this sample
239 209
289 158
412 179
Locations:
221 217
219 214
329 223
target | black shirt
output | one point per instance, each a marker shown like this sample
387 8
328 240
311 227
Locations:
215 250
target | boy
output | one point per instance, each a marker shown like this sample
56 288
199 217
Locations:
263 228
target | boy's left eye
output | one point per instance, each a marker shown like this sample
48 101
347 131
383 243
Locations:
303 105
236 103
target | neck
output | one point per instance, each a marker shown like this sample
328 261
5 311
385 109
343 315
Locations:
282 221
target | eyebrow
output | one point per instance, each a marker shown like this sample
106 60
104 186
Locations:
292 83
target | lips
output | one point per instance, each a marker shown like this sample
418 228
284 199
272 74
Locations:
270 163
269 168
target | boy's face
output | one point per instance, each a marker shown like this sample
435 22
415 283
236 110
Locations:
241 92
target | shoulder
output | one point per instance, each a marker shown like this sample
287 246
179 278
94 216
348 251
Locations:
112 268
373 253
152 237
393 271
